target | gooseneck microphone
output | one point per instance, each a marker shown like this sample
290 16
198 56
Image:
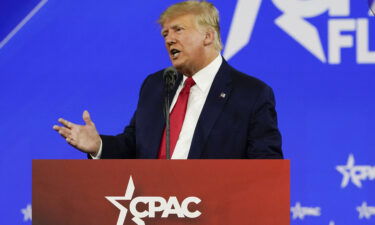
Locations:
170 76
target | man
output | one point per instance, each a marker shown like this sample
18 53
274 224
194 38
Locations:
217 111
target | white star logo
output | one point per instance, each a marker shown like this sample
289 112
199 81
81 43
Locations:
365 211
128 196
297 211
355 173
26 213
346 171
293 22
300 212
242 26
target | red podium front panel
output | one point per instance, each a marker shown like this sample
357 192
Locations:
114 192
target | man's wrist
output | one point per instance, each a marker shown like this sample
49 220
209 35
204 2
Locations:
98 154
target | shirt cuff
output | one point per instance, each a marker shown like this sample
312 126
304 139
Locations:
99 154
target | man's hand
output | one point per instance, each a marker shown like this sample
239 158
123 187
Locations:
83 137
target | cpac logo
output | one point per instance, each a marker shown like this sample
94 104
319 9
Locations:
365 211
300 212
155 204
294 22
355 173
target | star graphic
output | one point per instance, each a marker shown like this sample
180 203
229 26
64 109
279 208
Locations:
300 212
128 196
297 211
26 213
365 211
346 171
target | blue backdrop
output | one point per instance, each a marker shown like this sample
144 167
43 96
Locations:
58 58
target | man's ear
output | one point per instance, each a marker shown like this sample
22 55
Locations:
209 37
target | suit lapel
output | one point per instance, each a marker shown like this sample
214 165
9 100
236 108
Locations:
216 99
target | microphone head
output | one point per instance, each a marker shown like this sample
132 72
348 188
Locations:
170 76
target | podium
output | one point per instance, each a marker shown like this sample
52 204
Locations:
106 192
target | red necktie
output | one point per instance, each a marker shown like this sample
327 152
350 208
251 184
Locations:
177 117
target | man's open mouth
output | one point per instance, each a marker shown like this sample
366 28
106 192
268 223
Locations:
175 52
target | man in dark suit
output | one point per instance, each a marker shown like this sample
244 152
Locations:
217 111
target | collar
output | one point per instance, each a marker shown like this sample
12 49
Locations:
204 77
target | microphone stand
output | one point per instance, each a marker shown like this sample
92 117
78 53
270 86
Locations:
167 123
170 77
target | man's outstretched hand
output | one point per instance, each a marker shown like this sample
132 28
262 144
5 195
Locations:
83 137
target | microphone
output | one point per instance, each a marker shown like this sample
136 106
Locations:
170 76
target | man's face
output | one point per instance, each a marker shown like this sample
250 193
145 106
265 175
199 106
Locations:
185 43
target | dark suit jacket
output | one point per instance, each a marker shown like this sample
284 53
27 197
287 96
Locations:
241 125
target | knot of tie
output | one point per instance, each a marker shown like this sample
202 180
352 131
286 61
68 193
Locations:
189 83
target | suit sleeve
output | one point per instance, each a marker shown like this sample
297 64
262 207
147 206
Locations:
264 138
122 146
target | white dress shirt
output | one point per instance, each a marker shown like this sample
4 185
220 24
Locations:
198 95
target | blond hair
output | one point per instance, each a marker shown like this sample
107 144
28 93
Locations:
206 15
